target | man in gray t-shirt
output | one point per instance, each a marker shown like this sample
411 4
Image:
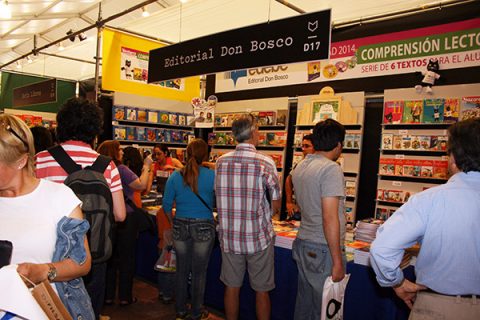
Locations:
320 193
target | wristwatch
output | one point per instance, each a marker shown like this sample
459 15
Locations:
52 272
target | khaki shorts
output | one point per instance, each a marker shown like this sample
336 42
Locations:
260 269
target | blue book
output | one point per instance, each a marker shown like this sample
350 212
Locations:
433 110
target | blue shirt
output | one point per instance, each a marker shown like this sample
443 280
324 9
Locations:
445 220
187 203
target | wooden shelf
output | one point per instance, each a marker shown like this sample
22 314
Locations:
426 153
150 124
417 126
389 203
412 179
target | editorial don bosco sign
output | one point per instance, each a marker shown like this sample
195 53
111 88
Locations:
302 38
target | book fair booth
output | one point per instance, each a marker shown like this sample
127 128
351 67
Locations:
371 79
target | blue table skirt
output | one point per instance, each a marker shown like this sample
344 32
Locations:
364 298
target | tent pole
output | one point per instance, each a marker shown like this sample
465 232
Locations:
97 56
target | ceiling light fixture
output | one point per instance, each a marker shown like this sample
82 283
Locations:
5 12
183 1
61 47
82 36
145 12
71 36
29 59
19 66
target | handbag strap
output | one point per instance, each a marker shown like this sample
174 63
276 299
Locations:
204 202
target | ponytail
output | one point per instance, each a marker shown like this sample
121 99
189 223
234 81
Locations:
197 152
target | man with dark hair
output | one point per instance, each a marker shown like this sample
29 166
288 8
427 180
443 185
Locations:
248 193
79 122
320 194
445 220
292 208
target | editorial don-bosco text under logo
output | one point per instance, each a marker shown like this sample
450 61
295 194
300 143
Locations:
267 72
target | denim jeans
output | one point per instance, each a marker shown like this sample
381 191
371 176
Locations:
166 284
314 264
193 240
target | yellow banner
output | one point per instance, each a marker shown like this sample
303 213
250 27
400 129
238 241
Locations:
125 69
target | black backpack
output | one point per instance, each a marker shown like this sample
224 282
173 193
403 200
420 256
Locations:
92 189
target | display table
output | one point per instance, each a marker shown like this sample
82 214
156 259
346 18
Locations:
364 299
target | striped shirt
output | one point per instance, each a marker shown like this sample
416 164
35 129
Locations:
82 154
243 178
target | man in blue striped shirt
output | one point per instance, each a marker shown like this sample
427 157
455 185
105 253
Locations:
445 220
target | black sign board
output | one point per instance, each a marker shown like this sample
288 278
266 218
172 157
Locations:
36 93
302 38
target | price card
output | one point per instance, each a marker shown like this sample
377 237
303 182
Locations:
399 156
396 183
402 132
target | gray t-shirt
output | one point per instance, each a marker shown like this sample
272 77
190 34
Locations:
314 178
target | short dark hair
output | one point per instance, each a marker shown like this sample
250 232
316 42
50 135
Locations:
464 144
78 119
327 134
42 138
243 127
163 147
133 160
308 137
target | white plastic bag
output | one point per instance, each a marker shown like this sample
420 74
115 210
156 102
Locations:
167 261
332 299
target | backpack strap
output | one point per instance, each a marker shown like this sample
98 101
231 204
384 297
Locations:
63 159
101 163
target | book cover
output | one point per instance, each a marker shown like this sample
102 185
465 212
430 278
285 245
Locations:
348 142
406 142
398 169
413 111
297 139
281 139
168 135
440 169
37 121
161 134
325 109
433 110
433 143
163 117
218 120
282 116
408 169
356 141
380 195
393 111
393 195
470 108
417 168
425 142
270 138
265 118
131 133
349 218
387 141
152 116
397 142
277 158
220 137
151 134
415 143
451 109
177 136
426 170
212 138
442 143
119 133
118 112
173 118
142 115
182 119
190 120
141 135
350 188
131 113
387 166
230 139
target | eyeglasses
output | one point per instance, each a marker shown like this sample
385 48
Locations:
10 129
307 146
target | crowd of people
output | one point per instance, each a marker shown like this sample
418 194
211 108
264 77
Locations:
87 263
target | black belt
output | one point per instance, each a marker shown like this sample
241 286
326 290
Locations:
453 295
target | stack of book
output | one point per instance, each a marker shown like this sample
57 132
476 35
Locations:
286 232
366 230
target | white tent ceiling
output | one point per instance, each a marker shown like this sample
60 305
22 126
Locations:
170 20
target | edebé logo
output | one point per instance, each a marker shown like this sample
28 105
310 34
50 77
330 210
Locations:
235 75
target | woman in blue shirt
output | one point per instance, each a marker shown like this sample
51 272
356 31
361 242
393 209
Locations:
191 189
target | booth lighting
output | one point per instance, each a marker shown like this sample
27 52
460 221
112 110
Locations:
29 59
70 33
82 36
19 66
145 12
61 47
